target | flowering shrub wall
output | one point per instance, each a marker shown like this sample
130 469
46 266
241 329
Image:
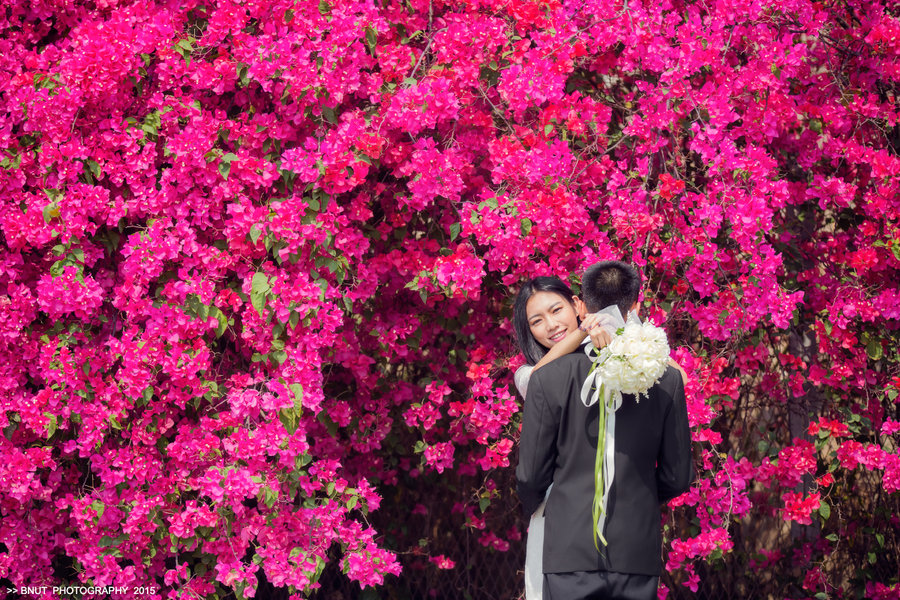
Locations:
258 259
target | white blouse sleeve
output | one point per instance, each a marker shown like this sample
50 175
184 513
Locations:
523 374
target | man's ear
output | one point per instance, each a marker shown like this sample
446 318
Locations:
580 308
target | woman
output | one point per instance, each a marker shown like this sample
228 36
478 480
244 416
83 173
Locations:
546 320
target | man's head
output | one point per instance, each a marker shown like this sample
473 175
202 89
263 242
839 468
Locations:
610 282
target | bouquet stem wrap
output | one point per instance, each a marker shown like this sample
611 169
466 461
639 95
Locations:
632 363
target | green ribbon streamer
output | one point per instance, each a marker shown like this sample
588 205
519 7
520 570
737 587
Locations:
599 482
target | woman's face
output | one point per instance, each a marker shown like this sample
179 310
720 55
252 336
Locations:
550 317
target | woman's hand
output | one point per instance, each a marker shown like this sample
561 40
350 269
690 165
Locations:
597 326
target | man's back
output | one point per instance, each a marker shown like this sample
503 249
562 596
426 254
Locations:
558 446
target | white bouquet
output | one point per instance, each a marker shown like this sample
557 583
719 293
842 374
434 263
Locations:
631 363
635 359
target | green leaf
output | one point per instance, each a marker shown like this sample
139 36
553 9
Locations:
259 289
255 232
10 429
329 115
50 211
185 48
329 263
98 507
51 426
526 226
323 285
491 203
11 161
93 167
484 503
824 510
225 164
288 419
270 496
873 349
242 75
455 228
297 389
220 317
548 128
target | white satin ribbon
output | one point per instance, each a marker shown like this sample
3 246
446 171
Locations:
595 381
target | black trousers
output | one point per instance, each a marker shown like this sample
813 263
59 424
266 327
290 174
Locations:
599 585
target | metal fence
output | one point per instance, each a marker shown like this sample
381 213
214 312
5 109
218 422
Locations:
483 573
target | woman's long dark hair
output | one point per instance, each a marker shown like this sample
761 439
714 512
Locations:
527 344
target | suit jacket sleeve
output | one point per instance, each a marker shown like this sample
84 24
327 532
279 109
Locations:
674 464
537 446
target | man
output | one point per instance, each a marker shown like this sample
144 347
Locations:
558 445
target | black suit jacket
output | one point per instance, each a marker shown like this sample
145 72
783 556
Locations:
558 445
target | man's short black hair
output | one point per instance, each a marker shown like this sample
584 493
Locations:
610 282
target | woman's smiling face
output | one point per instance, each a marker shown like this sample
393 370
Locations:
550 317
